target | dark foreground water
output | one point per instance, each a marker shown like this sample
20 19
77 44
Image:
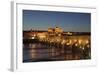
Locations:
35 52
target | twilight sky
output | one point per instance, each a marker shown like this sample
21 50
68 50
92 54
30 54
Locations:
68 21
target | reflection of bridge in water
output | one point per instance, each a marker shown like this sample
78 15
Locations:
71 49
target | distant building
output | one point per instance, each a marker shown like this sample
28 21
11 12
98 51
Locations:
58 30
55 31
51 30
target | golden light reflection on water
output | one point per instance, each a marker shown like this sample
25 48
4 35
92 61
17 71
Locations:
59 46
32 53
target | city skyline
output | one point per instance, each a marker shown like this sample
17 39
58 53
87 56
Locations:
68 21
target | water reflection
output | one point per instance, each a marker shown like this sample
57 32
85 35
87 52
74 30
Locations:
45 51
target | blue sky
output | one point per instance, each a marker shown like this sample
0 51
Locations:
68 21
